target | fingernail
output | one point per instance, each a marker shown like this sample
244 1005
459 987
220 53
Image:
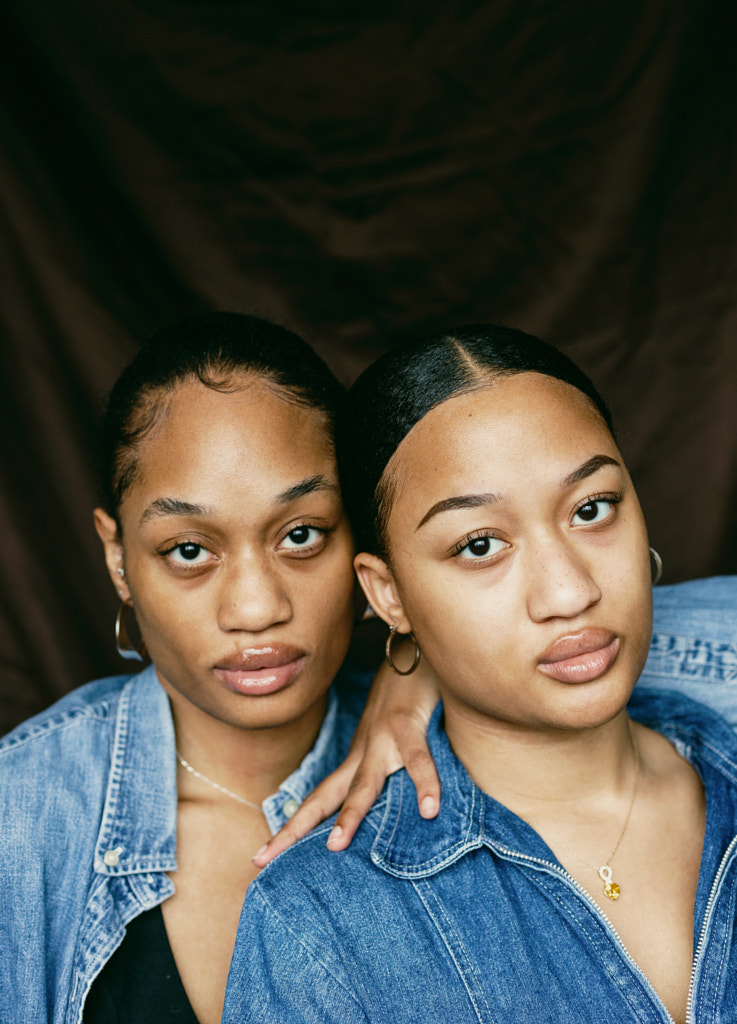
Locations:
259 853
335 835
428 807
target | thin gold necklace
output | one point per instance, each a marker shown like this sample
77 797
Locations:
216 785
611 888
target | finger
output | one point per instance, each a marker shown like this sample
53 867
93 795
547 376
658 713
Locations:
366 786
421 769
323 801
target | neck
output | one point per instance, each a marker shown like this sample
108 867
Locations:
538 773
250 762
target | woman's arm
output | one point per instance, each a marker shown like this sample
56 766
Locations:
390 735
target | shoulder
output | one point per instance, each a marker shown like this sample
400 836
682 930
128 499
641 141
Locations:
699 606
308 877
305 924
694 643
61 724
702 610
698 732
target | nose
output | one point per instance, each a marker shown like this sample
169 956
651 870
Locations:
253 596
560 581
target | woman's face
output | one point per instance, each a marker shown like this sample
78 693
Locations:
237 555
519 556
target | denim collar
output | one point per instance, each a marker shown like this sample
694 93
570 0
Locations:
139 820
409 846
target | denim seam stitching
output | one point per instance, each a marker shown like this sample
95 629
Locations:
117 760
97 713
583 928
441 860
425 885
256 892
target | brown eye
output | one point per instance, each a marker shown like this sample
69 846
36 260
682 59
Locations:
595 510
188 553
480 547
303 536
589 512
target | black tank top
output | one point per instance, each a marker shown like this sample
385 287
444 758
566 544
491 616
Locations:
140 983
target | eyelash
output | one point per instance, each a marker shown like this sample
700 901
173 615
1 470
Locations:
470 538
185 566
297 552
612 498
307 550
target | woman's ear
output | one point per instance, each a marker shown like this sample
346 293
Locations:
107 531
380 589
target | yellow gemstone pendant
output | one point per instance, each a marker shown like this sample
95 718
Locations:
611 889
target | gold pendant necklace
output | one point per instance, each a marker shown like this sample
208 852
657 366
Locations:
611 888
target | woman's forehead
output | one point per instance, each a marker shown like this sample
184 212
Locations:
211 441
512 428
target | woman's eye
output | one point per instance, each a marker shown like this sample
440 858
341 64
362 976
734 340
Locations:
481 547
595 510
188 553
302 537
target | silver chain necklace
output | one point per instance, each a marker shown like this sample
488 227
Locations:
216 785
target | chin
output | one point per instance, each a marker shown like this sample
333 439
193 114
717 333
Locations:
593 709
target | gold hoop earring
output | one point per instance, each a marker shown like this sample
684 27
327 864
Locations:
658 565
123 642
388 652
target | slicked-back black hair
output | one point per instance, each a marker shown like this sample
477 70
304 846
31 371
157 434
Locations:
401 387
219 349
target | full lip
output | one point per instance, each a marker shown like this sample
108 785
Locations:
580 657
258 671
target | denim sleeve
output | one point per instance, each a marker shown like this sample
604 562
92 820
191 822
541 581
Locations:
694 642
275 979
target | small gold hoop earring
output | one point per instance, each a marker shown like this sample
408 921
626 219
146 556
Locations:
658 565
388 652
122 640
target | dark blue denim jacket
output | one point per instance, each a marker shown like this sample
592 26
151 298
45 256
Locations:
470 917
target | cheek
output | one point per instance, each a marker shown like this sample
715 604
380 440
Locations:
169 628
326 598
459 623
169 616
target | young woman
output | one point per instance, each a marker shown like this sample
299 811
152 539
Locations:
130 811
582 865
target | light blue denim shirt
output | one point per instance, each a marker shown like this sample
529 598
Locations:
694 643
470 917
88 814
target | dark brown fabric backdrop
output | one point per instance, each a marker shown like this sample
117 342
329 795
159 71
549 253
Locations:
351 169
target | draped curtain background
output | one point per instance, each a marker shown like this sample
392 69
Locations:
351 170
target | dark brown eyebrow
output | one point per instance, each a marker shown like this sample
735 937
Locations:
452 504
306 486
589 468
177 507
478 500
174 507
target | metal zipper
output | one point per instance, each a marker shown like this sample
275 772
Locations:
559 870
705 925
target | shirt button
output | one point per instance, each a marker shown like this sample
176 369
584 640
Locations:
111 857
290 808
